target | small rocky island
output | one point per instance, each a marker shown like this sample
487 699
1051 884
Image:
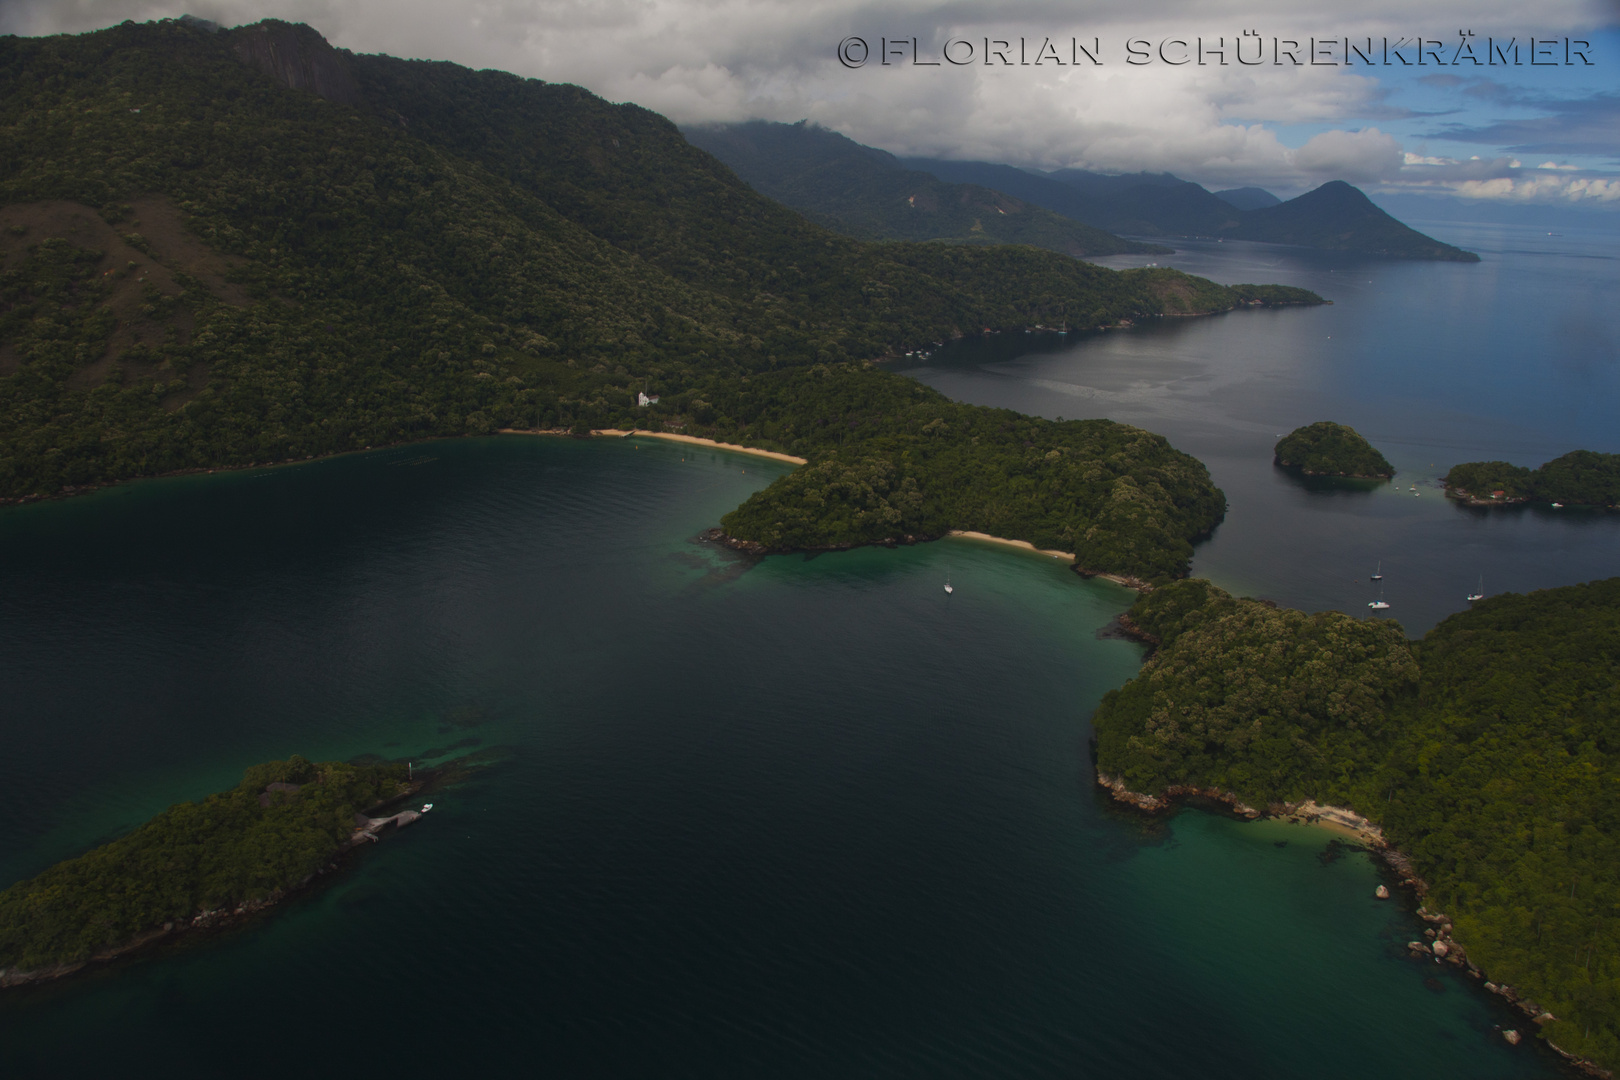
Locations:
197 864
1329 449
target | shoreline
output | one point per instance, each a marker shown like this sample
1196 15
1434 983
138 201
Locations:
222 919
1438 944
1024 545
619 433
1466 498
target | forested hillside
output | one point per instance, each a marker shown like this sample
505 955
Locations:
206 263
1489 752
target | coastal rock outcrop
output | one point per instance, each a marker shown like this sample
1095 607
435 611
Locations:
1154 803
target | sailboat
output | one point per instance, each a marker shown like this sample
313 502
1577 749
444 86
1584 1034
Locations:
1378 575
1481 594
1378 604
948 588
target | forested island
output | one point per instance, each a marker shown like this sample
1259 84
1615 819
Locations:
1579 478
194 865
1488 752
1329 449
226 248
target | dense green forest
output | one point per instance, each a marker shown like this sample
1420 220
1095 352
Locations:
200 268
1488 751
892 458
1329 449
239 846
1579 478
868 193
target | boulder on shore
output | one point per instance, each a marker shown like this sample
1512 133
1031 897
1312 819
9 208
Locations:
1382 892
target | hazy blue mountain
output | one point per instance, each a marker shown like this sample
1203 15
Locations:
868 193
1339 217
1248 198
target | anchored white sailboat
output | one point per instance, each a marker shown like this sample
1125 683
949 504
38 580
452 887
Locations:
1378 604
1378 575
1480 595
948 588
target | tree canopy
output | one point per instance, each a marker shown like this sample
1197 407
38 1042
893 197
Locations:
1329 449
201 267
247 844
1489 752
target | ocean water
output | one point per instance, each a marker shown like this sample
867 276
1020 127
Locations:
801 817
1515 358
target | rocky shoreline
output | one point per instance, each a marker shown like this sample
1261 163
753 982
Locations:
756 549
1437 942
365 831
1468 499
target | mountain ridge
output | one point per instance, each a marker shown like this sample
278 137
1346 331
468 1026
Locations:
868 193
1160 204
207 263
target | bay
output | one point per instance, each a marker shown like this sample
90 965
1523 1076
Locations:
1515 358
803 817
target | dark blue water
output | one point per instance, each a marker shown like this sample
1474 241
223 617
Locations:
1516 358
799 818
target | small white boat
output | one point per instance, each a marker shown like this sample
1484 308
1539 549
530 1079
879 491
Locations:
1480 595
1378 574
426 807
948 589
1557 506
1378 605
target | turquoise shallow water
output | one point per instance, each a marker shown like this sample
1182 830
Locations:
805 817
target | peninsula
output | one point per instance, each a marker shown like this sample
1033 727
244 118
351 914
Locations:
444 252
1485 752
1579 478
196 865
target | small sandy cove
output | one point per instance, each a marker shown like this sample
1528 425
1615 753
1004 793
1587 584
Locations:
1066 556
1025 544
671 436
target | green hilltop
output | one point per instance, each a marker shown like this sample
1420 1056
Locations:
1328 449
1488 752
245 246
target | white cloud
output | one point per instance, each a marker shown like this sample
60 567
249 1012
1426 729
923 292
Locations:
1360 156
697 60
1596 190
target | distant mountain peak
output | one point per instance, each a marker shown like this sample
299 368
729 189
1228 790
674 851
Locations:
1339 217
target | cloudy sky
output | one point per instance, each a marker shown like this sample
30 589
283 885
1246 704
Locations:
1531 132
